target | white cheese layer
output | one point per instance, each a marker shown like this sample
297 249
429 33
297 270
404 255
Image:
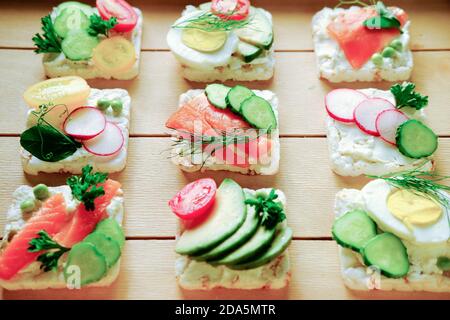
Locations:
423 274
333 64
74 163
182 157
229 67
354 152
196 275
57 65
32 277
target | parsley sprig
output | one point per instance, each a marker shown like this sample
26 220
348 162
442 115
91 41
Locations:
85 187
100 26
271 211
49 40
405 96
54 251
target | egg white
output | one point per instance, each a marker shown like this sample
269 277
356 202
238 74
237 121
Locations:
196 59
376 194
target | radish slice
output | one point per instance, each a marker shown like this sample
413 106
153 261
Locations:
84 123
366 114
107 143
387 124
341 103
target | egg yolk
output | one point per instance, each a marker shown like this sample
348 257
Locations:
414 209
205 41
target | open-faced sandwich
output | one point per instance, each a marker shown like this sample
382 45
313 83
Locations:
231 237
362 43
63 237
223 128
223 40
70 125
394 234
377 132
91 42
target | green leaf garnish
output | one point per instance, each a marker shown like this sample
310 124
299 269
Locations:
49 259
84 187
423 183
271 211
49 41
405 96
44 141
386 19
209 22
100 26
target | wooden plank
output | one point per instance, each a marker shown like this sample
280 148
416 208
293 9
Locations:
150 180
429 28
148 273
155 92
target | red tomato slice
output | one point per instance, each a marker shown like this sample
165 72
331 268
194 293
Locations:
125 14
195 199
231 9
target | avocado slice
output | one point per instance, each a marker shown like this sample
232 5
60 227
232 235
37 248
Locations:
244 233
252 248
280 243
227 215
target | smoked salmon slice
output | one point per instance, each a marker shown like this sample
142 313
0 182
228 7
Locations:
51 218
84 222
358 42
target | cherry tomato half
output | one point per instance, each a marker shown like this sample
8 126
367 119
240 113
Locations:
231 9
195 199
125 14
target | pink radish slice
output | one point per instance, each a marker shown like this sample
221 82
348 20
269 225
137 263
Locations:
387 124
84 123
340 103
106 143
366 114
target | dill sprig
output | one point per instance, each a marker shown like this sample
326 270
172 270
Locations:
422 183
209 22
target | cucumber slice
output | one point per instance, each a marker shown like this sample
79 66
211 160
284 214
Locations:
254 247
416 140
237 95
354 229
216 94
111 228
387 252
259 113
244 233
259 30
91 264
78 45
279 245
87 9
70 18
109 248
248 52
443 263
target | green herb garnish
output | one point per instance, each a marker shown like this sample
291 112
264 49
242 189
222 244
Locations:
44 141
405 96
208 21
386 19
84 187
50 258
422 183
271 211
49 41
100 26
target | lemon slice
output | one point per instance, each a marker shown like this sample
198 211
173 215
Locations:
205 41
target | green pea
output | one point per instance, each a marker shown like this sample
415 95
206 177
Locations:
388 52
103 103
377 59
41 192
117 106
396 45
27 205
443 263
